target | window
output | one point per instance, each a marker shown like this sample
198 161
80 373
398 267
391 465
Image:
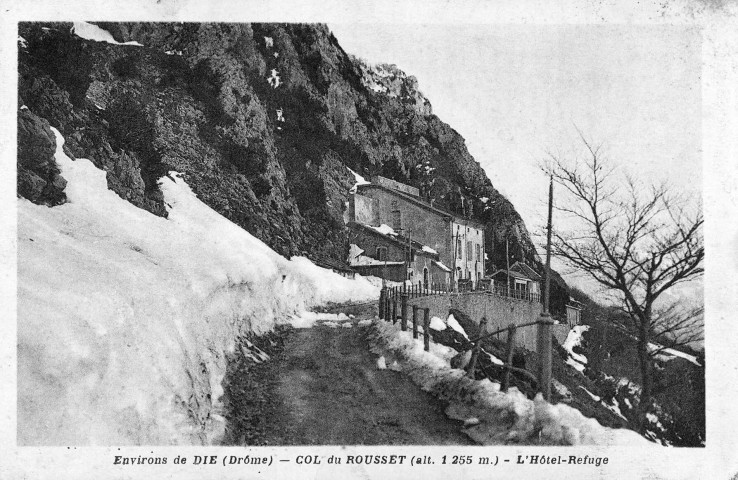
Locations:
381 253
469 251
396 220
479 255
458 248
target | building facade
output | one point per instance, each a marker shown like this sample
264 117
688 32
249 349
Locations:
458 242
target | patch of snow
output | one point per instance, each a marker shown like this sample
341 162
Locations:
574 364
594 397
330 324
395 367
440 265
308 319
174 52
492 358
504 417
23 107
652 418
574 339
125 318
89 31
437 324
451 322
560 388
364 323
670 353
22 42
358 179
347 325
363 260
428 249
384 229
470 422
268 42
274 79
614 408
381 363
484 199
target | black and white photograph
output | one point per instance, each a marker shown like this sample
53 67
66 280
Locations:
369 242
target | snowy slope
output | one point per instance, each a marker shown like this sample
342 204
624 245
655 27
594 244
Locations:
125 318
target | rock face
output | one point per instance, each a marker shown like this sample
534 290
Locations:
261 119
38 173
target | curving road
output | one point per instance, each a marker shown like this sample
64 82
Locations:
324 388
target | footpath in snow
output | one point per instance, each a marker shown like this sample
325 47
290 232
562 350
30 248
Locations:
324 387
125 318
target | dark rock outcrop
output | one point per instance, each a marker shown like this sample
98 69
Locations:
38 174
261 119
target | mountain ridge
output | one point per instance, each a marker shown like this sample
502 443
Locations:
263 120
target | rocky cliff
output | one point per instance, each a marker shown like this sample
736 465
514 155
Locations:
262 119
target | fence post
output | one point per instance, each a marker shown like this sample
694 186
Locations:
477 347
544 355
387 308
403 322
394 309
382 298
415 321
426 329
511 330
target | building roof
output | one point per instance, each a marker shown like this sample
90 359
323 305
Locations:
526 270
397 239
422 204
440 265
520 271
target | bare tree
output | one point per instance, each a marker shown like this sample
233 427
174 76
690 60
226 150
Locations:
636 242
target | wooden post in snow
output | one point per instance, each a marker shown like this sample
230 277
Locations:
403 321
382 299
477 347
426 329
415 321
508 356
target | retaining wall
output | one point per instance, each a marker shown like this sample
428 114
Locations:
500 312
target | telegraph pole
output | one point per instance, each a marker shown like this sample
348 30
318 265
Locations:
545 322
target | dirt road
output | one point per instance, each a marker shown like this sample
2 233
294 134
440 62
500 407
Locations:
324 388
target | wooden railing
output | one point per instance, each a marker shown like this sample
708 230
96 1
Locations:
426 289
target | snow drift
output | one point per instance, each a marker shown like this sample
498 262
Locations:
125 318
502 417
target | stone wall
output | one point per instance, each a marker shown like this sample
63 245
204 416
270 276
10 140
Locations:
500 312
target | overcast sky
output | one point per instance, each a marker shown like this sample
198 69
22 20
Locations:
516 91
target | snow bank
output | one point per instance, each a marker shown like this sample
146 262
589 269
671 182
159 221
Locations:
503 417
125 318
89 31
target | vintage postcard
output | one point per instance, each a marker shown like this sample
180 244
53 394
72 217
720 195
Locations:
380 240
